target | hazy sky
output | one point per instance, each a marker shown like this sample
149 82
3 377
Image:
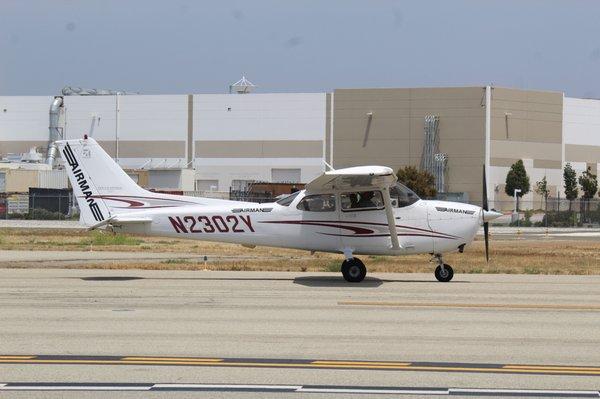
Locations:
184 46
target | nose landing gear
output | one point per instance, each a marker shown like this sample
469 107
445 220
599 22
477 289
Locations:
443 272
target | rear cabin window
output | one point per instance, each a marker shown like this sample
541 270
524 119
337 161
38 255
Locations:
362 201
317 203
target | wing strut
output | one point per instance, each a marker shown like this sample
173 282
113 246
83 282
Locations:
389 212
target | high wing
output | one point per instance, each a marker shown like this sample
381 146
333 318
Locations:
358 178
353 178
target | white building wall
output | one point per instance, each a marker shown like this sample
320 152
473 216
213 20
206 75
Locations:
257 117
581 126
91 115
151 119
24 118
581 121
156 118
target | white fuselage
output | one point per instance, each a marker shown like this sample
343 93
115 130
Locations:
422 227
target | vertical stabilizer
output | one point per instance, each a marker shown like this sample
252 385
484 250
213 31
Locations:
94 175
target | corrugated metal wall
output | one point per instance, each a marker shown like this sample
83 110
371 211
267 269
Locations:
53 179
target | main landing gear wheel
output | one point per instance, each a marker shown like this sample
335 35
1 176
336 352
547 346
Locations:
444 274
353 270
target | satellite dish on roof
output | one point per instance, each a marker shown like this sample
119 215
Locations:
242 86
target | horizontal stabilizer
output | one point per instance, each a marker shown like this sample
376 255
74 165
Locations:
121 220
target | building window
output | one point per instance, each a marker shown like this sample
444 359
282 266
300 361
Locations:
241 185
207 185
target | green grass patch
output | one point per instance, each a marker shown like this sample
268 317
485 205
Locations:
378 258
333 266
100 238
531 270
175 261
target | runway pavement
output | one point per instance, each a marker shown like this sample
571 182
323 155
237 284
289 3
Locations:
244 334
21 258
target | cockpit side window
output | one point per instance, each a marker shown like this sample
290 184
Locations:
317 203
286 201
402 195
361 201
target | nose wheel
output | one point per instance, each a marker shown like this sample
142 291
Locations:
443 272
353 270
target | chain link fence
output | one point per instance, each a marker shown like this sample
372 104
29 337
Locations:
552 213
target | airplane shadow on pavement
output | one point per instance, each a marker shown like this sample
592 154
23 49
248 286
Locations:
368 282
308 281
334 281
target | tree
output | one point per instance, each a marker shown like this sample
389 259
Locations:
517 179
570 180
541 188
589 186
420 181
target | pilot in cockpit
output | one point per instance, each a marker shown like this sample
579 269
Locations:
366 200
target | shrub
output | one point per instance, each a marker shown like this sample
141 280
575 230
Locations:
560 219
524 223
37 214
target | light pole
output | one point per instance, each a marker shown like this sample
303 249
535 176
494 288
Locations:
517 191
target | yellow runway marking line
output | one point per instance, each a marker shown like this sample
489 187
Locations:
317 364
108 362
351 363
165 363
304 365
500 370
172 359
575 368
471 305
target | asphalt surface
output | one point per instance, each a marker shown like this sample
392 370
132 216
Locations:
266 330
20 258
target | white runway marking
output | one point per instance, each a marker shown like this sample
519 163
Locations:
483 392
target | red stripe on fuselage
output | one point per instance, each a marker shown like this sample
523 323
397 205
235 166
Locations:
344 225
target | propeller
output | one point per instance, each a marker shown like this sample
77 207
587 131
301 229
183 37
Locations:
486 225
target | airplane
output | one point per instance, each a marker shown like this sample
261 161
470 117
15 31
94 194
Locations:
353 211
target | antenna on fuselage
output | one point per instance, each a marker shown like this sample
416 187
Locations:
328 166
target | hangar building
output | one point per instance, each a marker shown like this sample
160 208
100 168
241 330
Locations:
211 142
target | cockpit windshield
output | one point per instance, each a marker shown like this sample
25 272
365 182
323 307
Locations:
286 201
403 195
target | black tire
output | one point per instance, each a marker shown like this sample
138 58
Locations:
353 270
444 275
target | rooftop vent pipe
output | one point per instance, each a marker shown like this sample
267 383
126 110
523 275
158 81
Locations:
78 91
54 132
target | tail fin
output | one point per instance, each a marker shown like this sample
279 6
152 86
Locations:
94 175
